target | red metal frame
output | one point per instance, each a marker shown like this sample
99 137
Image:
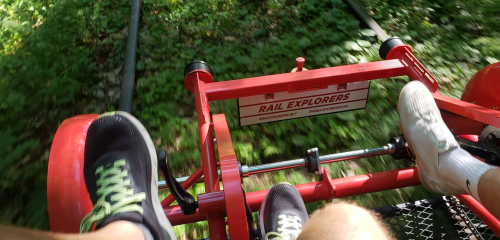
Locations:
462 117
481 212
316 191
401 61
230 172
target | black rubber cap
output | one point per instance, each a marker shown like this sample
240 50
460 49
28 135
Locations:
197 65
389 44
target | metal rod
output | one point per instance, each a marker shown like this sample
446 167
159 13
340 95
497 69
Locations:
127 90
368 20
163 184
273 166
336 157
387 149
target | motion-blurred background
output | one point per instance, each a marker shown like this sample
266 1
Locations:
63 58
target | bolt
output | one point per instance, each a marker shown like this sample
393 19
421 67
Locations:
473 102
300 63
490 137
495 108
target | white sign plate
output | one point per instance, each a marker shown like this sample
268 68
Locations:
285 105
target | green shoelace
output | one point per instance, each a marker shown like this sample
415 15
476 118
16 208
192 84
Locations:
112 181
287 226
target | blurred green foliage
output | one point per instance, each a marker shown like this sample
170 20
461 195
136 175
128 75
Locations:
51 54
58 57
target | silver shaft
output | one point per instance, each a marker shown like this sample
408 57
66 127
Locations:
163 184
336 157
273 166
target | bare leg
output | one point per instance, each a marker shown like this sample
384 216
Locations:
119 230
488 191
339 221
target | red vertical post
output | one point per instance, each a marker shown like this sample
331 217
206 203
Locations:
216 224
206 139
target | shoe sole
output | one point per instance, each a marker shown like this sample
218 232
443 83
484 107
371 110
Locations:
157 208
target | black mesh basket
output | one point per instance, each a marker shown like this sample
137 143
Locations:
440 218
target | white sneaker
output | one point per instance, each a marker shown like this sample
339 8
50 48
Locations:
427 134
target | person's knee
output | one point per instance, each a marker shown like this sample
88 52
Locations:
343 220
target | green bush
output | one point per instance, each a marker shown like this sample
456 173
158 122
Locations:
50 57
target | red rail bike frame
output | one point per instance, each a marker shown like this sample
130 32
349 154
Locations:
215 204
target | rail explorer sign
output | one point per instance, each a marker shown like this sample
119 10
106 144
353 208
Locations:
285 105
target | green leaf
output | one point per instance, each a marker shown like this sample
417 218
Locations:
351 59
491 60
335 60
367 32
140 65
272 150
244 60
304 42
298 140
363 43
350 45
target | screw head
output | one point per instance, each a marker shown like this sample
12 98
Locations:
300 63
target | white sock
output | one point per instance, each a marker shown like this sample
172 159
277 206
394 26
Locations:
462 170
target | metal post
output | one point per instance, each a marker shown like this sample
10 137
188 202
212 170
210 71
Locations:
127 91
368 20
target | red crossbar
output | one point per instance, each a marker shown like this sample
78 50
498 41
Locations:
317 191
304 80
468 110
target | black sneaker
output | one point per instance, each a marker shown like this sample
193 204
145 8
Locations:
283 213
121 175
